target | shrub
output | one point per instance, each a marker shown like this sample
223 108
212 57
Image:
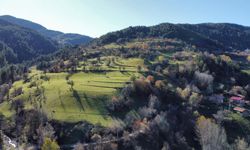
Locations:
50 145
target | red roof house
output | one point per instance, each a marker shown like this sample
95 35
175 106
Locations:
239 109
244 112
236 98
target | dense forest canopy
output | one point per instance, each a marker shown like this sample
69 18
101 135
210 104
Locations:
208 36
23 43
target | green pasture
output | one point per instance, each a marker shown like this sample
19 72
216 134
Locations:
85 100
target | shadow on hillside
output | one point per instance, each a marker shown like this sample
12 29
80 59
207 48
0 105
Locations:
101 106
61 100
98 103
88 100
125 73
62 104
100 86
111 82
78 99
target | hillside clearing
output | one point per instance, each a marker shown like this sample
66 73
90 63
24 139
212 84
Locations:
85 100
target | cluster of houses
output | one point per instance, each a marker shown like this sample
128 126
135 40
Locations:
234 102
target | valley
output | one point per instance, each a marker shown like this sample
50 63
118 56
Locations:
168 86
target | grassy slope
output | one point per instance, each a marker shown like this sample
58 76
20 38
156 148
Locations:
87 99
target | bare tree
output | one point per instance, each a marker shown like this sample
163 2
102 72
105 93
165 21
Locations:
204 81
241 144
147 112
153 102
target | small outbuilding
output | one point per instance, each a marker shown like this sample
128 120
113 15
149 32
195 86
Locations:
244 112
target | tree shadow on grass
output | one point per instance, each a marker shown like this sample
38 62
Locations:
88 100
100 86
98 103
61 100
112 82
101 105
62 104
125 73
78 99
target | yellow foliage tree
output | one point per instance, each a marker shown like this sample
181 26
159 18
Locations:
211 135
159 84
161 59
248 58
50 145
226 58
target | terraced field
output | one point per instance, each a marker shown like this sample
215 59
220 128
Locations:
84 99
246 68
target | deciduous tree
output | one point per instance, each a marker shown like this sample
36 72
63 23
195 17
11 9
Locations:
211 135
50 145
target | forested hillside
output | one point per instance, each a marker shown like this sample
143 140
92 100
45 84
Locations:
170 86
18 44
60 37
212 37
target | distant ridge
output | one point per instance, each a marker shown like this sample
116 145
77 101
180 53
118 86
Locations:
18 44
207 36
60 37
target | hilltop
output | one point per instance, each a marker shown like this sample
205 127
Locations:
18 44
60 37
207 36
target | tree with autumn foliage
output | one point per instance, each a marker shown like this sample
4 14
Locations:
211 135
50 145
150 79
241 144
226 58
248 58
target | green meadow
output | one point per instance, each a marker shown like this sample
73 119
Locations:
84 100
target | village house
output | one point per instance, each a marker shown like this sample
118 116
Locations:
237 100
244 112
